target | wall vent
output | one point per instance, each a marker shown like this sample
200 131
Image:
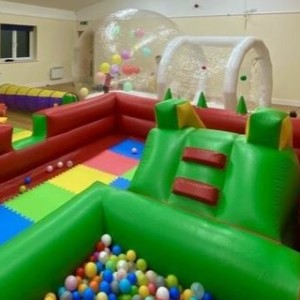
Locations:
56 73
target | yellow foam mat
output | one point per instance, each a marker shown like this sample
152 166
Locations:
80 177
21 135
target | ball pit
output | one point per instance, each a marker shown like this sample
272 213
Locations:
127 278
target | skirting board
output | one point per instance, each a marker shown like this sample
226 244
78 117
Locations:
50 82
286 102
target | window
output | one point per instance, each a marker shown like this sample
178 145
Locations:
17 42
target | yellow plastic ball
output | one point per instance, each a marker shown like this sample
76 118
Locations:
116 59
82 287
172 281
105 67
50 296
101 296
90 270
22 189
83 92
131 255
144 291
142 279
141 264
187 294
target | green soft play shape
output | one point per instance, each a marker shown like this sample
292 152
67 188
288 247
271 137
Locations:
69 98
166 113
39 133
161 155
265 127
232 263
261 191
213 140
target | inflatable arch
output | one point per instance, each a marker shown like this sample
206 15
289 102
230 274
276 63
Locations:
215 65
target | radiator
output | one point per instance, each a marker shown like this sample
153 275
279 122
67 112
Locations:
56 73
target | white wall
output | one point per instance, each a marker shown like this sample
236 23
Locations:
56 35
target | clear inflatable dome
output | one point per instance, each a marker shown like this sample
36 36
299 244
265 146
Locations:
123 52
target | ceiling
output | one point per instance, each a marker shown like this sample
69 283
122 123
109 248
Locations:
72 5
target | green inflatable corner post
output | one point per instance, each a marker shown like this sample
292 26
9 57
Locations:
168 94
242 107
202 101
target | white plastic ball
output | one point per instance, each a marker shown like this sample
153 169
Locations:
106 239
103 257
49 168
162 293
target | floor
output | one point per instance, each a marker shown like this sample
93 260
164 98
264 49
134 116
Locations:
23 120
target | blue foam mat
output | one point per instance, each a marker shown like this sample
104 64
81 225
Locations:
125 148
11 224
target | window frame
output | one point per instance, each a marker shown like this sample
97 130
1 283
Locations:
32 42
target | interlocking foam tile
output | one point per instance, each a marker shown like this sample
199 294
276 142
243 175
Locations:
125 148
40 201
11 224
21 135
129 175
111 162
121 183
80 177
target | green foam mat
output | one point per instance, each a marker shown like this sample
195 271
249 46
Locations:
129 175
40 201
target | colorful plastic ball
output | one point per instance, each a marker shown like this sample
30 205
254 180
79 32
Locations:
127 86
160 281
76 295
105 68
243 78
122 264
171 280
104 287
151 275
111 265
22 188
90 270
146 51
67 295
152 288
88 294
94 285
101 296
61 290
116 59
144 291
82 287
132 278
83 92
125 54
187 294
100 246
27 180
106 240
141 264
103 257
112 296
121 256
116 250
50 296
125 286
120 274
174 293
139 33
207 296
99 78
162 293
131 255
115 287
142 279
69 163
60 164
134 150
137 297
49 169
197 290
150 297
71 283
107 275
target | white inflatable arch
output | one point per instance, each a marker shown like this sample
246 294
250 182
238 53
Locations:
239 48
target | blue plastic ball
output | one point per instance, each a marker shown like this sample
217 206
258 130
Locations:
76 295
112 296
27 180
104 286
125 286
116 250
88 294
207 296
61 290
100 266
107 275
197 289
132 278
174 293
